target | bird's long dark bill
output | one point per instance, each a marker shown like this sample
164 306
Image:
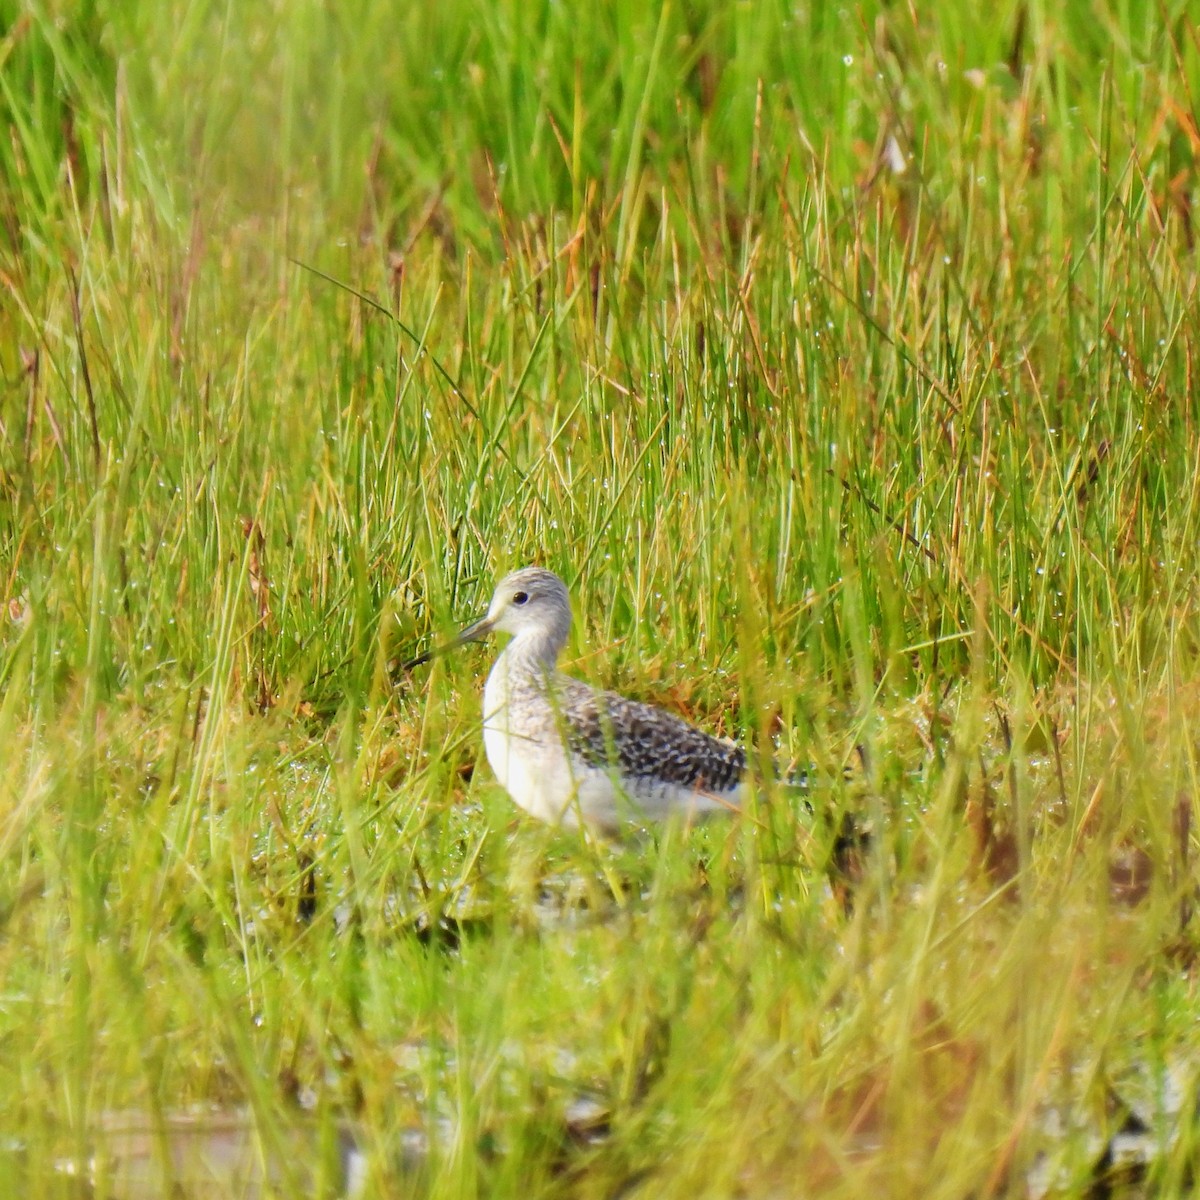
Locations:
475 632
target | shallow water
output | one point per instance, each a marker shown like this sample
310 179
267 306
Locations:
222 1154
215 1154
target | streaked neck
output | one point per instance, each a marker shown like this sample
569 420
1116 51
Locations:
534 650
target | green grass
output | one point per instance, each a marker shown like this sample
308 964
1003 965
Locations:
843 362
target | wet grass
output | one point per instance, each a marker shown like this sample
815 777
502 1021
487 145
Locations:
841 361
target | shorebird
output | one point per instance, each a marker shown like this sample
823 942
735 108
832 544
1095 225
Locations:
570 754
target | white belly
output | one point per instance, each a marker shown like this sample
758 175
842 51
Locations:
537 780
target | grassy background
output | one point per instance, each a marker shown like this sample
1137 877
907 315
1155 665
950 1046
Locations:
842 360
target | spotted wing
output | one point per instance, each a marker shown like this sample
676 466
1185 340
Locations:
644 742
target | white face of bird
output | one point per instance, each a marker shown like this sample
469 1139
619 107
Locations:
531 600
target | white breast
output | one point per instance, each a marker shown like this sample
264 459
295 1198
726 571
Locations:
536 773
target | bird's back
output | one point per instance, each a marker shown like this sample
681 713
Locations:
650 748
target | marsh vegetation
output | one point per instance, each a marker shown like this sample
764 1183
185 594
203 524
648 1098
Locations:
842 360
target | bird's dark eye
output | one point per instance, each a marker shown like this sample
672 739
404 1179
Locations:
520 597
